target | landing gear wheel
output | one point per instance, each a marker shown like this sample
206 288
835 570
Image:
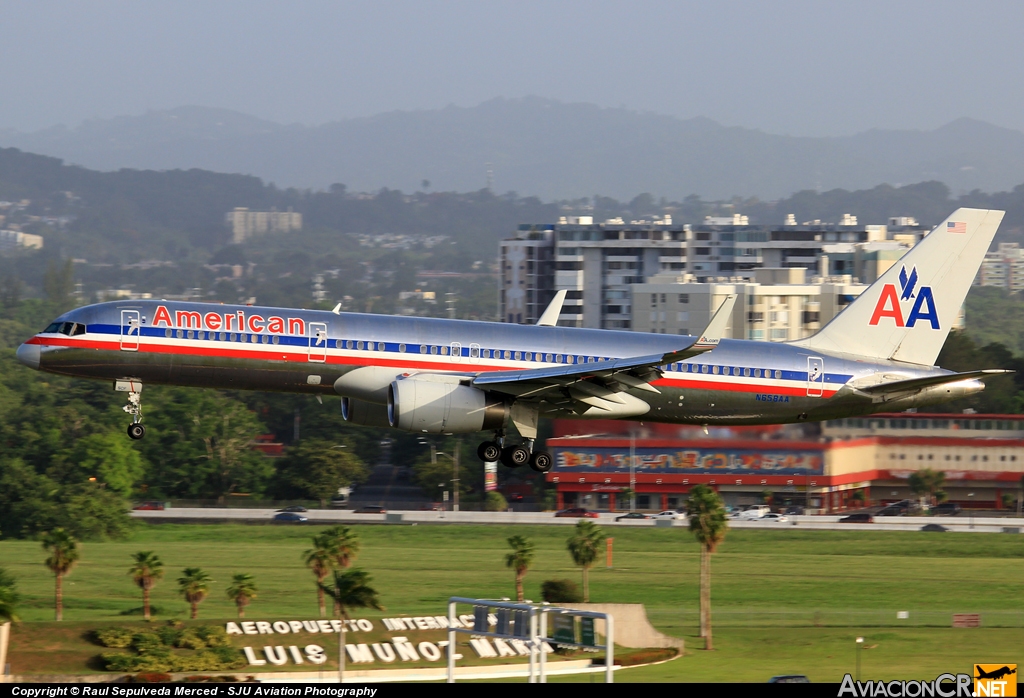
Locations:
488 451
541 461
514 456
136 431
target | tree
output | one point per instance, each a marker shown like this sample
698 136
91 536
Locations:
320 559
351 589
316 468
242 590
63 549
344 543
927 482
519 560
495 501
9 597
194 585
584 546
708 525
59 283
147 570
109 458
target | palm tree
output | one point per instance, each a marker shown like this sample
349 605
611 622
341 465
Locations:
519 560
9 597
320 559
194 585
927 481
351 589
708 525
345 542
583 547
147 570
63 549
242 591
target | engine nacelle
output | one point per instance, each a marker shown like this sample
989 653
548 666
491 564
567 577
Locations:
364 413
437 407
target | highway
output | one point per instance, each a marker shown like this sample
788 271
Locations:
961 523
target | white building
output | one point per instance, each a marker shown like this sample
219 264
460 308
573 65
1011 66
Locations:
245 224
1003 267
778 306
12 239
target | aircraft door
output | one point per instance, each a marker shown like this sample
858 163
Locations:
318 342
131 328
815 376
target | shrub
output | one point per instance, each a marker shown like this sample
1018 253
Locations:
146 642
213 635
189 639
168 635
156 677
495 502
119 661
560 591
114 637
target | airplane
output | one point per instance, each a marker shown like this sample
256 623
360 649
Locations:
428 375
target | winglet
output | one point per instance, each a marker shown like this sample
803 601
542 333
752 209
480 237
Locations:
551 313
337 309
712 334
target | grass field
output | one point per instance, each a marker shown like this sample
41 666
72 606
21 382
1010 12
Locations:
785 601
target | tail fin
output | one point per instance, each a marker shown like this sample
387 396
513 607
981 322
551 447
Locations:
906 314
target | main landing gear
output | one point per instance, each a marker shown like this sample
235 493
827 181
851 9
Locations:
514 456
134 407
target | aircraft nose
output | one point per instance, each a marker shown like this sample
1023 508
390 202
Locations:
28 354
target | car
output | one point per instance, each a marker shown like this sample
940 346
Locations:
633 515
891 511
669 514
514 497
294 509
858 518
576 513
149 506
789 678
794 511
934 528
290 517
946 509
370 509
776 518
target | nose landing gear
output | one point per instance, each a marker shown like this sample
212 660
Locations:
134 407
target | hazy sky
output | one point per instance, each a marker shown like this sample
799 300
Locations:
804 68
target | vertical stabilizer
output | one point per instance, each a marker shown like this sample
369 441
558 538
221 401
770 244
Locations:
906 314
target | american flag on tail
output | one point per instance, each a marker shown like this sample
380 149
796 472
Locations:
956 227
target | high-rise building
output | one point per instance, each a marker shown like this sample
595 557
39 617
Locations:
1003 267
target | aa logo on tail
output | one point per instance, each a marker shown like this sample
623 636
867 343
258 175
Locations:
889 302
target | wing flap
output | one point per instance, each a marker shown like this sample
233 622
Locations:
928 381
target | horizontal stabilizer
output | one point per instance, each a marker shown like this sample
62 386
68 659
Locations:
929 381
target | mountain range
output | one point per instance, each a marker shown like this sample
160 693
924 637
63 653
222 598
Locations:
540 147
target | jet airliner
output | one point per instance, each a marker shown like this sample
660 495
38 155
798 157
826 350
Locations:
429 375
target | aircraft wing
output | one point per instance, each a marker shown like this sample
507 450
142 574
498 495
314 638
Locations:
599 383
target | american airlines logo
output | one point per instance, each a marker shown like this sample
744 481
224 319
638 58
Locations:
229 322
890 303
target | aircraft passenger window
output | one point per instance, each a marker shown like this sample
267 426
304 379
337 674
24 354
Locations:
401 348
433 350
223 336
778 374
444 350
180 334
423 348
167 332
474 352
232 336
703 368
519 355
381 346
266 339
276 340
189 334
508 355
746 372
359 345
714 369
558 358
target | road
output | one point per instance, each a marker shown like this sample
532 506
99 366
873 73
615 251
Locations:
962 523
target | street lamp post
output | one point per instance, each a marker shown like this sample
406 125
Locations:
860 644
970 510
434 453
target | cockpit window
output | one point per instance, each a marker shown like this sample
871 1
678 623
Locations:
69 328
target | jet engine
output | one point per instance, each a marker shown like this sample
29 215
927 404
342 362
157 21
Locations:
366 414
423 405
